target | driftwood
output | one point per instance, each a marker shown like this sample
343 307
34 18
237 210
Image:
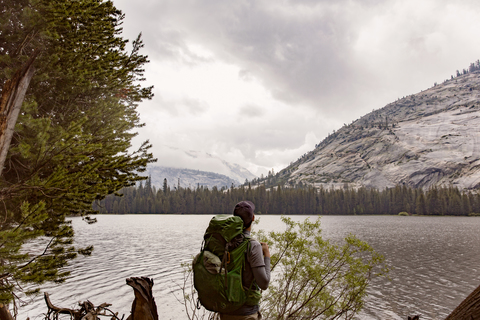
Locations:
143 306
469 309
87 311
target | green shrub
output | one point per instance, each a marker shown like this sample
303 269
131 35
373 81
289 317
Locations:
315 279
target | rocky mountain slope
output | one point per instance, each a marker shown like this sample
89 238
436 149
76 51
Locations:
429 138
232 170
189 178
174 157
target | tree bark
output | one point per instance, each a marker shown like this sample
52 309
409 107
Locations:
469 309
5 313
13 94
144 306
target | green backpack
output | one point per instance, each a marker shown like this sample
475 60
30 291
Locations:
218 268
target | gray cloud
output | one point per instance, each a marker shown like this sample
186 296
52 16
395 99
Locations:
194 106
181 107
251 111
302 51
302 54
279 134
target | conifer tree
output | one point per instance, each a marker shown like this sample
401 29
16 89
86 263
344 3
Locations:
71 141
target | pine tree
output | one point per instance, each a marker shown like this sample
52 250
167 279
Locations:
420 204
165 186
71 140
433 204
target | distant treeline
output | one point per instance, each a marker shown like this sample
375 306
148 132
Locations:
279 200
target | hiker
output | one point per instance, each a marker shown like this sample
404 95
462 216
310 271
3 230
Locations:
257 265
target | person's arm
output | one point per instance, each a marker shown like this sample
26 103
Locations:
262 273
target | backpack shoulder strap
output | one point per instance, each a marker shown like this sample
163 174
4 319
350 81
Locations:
253 285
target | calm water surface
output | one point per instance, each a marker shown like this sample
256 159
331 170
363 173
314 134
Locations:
435 261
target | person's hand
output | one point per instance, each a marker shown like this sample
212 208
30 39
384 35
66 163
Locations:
266 251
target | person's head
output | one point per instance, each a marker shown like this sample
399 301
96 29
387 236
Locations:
245 210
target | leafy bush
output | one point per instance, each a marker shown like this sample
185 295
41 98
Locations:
315 279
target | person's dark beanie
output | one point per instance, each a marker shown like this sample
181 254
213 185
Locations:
245 209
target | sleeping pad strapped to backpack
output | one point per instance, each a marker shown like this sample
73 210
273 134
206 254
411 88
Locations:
218 268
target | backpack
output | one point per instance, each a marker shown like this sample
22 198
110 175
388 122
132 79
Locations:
218 268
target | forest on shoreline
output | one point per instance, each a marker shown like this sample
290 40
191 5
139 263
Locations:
146 198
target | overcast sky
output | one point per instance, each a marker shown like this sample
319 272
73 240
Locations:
259 83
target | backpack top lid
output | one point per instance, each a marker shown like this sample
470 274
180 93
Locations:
227 226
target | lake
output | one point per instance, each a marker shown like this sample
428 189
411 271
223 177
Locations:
435 261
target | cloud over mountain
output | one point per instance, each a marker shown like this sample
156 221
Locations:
293 69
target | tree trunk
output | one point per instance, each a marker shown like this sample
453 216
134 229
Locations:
5 313
469 309
13 94
144 306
